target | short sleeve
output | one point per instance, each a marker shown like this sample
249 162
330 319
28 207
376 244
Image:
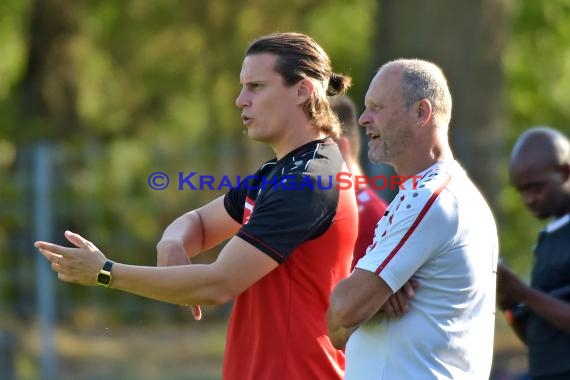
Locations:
234 202
287 216
412 233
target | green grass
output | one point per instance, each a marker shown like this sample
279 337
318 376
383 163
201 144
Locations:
189 351
91 349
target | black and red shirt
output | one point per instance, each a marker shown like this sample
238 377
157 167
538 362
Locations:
291 210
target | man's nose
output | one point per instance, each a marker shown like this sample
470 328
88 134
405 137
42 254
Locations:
241 100
529 198
364 120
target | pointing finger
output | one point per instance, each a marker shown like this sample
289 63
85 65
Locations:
54 258
49 247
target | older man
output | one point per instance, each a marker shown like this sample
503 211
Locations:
439 231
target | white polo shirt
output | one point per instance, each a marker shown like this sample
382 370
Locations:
443 234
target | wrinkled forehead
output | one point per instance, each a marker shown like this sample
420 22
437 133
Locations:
258 66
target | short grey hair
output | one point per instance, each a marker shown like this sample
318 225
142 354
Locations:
424 80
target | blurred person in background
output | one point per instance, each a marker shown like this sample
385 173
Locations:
439 231
370 206
540 313
288 244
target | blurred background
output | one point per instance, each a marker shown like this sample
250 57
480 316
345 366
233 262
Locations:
95 95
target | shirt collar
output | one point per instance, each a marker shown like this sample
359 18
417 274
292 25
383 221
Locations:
557 223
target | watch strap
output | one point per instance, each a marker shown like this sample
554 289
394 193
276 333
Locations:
108 265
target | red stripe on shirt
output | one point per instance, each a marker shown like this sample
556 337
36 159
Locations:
414 225
277 253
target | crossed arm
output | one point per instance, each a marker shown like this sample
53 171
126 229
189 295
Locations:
238 266
359 297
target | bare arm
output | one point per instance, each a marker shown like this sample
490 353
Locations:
238 266
195 232
513 290
354 301
551 309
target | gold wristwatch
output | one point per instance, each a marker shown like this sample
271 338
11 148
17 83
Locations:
104 276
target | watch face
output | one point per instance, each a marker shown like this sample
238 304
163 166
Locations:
103 279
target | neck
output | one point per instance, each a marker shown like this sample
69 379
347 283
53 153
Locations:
296 138
417 163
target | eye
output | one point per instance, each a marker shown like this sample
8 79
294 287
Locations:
535 187
254 86
374 107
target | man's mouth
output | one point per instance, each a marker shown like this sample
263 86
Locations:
373 135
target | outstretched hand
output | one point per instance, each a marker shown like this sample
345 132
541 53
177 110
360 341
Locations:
78 265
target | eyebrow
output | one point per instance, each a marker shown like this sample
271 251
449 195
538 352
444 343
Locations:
251 80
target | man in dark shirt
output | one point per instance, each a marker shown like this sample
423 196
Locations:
540 314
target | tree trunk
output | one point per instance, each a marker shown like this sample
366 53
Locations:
466 39
47 96
49 88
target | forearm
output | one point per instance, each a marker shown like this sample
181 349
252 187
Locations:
195 232
183 235
181 285
549 308
354 300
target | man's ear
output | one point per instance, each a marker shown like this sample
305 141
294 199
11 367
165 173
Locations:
424 112
305 89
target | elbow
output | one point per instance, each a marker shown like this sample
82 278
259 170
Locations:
218 299
339 324
168 247
342 313
344 319
209 298
216 293
337 342
340 316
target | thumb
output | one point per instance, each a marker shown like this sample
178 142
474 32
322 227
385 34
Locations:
78 240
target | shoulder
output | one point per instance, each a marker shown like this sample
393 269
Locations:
366 199
425 186
267 166
426 196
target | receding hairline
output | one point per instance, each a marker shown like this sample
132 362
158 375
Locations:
408 63
423 79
